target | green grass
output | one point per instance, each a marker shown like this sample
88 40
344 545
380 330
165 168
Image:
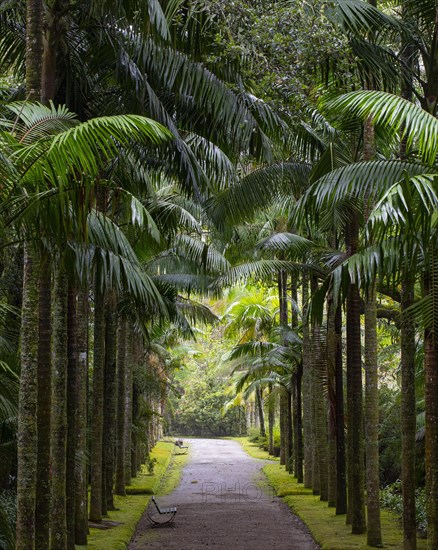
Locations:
328 529
253 449
132 507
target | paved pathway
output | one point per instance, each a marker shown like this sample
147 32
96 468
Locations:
221 505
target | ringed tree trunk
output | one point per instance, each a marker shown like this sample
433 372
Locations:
320 369
408 412
27 407
271 420
259 402
354 390
289 463
81 471
284 416
44 381
72 330
96 502
283 443
128 400
58 525
296 395
407 348
120 422
431 392
374 532
341 481
27 442
307 389
298 425
331 392
110 396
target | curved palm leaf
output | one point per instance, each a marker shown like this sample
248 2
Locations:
416 125
263 270
256 190
294 245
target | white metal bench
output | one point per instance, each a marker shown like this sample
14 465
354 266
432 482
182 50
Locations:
181 447
165 515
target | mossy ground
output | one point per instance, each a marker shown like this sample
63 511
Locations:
253 449
132 507
328 529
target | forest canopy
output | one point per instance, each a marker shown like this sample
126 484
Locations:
218 218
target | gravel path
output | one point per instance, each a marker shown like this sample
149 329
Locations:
221 505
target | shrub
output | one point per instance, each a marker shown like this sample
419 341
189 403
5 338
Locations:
391 498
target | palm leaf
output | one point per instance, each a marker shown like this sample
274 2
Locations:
256 190
261 270
416 125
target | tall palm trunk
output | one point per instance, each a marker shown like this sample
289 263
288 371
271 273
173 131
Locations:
341 481
431 393
284 430
96 501
81 484
58 524
120 422
42 511
283 442
34 48
296 396
259 403
374 533
27 408
408 412
271 421
71 413
320 366
135 427
110 396
128 401
354 391
307 389
407 348
331 393
298 424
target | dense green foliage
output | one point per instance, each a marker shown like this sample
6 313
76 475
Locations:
156 153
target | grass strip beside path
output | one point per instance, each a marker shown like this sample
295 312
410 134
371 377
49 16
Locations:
328 529
132 507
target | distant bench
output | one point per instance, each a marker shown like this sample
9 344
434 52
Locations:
181 446
165 515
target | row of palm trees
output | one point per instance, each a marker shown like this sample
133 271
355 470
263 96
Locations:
339 266
363 184
122 212
108 211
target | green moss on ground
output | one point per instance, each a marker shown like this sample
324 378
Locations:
253 449
172 477
132 507
328 529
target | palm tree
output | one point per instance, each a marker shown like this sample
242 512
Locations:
399 112
31 166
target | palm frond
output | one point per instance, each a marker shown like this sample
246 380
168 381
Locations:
295 246
361 180
34 121
360 18
201 253
416 125
262 270
257 190
187 282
